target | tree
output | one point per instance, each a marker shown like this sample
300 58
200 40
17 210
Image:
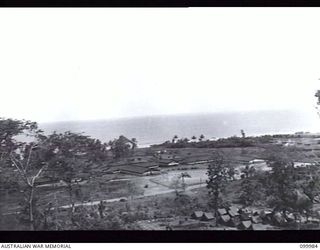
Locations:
22 156
311 187
243 134
193 137
121 147
71 154
174 138
134 143
246 192
250 190
201 137
134 189
283 184
218 176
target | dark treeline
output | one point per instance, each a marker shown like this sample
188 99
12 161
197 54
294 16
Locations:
60 156
230 142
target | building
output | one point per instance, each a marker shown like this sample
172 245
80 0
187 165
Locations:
168 163
197 159
260 165
225 220
207 217
197 215
245 225
222 211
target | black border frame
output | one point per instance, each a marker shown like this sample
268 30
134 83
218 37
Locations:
160 236
294 236
159 3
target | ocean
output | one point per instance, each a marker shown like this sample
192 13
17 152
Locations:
157 129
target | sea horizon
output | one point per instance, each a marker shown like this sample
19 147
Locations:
149 130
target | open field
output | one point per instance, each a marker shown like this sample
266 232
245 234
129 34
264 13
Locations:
157 196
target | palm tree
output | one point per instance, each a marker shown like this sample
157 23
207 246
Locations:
201 137
134 143
243 133
174 138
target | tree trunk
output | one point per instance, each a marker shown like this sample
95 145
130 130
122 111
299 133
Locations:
71 201
31 217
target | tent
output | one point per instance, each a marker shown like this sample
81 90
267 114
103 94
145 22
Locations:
256 219
245 225
222 211
197 215
208 216
225 220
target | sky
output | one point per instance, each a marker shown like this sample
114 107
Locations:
87 64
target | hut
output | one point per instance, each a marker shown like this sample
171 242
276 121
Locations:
279 219
245 216
197 215
233 211
225 220
222 211
208 216
266 215
256 219
236 220
245 225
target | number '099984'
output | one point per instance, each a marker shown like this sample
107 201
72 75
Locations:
308 245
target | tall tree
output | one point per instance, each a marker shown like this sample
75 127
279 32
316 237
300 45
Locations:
134 143
218 176
23 156
121 147
71 154
243 133
174 139
250 190
201 137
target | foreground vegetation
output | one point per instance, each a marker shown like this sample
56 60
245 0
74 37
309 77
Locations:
83 197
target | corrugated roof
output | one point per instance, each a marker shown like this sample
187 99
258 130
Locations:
198 214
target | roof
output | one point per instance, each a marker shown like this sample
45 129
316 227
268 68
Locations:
279 217
233 211
197 158
146 164
290 216
257 161
264 213
136 159
256 211
225 218
198 214
134 169
244 210
166 156
246 224
208 216
167 161
222 211
256 219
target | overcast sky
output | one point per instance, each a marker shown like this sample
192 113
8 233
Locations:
79 64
